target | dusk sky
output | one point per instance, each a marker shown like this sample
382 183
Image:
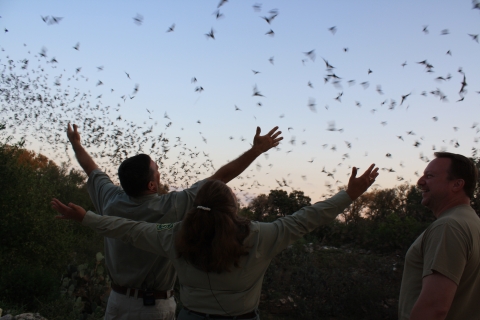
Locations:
376 103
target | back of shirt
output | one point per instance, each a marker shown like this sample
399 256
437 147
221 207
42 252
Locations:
129 266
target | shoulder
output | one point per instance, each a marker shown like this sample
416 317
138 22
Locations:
96 173
450 231
197 185
461 217
98 177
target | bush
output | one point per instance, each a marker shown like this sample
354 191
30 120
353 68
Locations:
308 282
28 285
393 234
34 247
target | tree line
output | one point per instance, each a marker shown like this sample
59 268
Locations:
384 220
36 251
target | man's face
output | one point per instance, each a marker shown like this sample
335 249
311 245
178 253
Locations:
435 186
156 175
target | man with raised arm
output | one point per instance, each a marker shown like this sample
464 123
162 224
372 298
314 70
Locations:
441 277
142 282
221 258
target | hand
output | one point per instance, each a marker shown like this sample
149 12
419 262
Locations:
357 186
70 212
268 141
73 135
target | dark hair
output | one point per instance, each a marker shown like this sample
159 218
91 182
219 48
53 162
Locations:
212 240
461 168
135 174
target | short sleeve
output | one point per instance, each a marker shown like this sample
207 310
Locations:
445 250
101 189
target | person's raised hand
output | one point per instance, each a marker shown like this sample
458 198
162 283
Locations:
70 212
73 135
357 186
268 141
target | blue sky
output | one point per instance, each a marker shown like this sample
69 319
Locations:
379 35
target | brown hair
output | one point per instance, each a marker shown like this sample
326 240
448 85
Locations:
212 240
135 174
461 168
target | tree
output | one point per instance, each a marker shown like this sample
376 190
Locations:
355 212
383 203
258 207
277 204
414 207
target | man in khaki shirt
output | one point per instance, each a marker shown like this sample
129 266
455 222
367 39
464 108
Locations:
233 293
441 278
142 282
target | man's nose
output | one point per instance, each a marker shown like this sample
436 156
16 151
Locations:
420 181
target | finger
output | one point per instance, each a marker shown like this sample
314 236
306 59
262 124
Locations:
73 206
59 206
276 134
75 128
54 202
258 132
272 131
354 173
369 170
69 128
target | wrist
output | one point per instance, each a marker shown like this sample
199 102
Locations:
256 150
353 196
76 146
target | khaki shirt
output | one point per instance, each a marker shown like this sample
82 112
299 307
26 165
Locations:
236 292
450 246
130 266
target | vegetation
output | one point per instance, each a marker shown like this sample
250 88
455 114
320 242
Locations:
350 269
35 249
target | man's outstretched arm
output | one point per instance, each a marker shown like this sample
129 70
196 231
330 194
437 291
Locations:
84 159
260 145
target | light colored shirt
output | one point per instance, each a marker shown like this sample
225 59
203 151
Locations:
450 246
128 265
235 292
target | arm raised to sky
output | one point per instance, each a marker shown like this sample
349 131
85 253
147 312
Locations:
260 145
83 158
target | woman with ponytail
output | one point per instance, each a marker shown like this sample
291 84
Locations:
220 257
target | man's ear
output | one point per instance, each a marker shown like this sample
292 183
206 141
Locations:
151 186
458 185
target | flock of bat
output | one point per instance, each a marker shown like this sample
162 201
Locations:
37 106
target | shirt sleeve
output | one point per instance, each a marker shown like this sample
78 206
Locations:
184 199
151 237
277 235
101 189
445 250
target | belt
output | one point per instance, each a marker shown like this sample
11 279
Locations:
157 294
249 315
